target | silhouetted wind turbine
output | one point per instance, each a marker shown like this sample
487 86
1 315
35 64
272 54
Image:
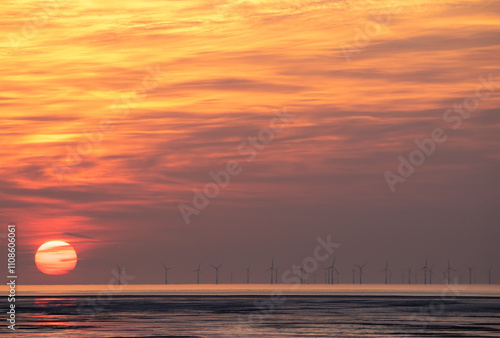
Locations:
386 269
430 273
119 275
216 272
272 271
301 274
409 275
198 271
332 269
166 273
360 267
448 271
470 273
425 268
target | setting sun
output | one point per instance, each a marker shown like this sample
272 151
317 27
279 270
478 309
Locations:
55 258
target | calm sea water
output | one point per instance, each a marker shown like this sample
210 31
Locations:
231 316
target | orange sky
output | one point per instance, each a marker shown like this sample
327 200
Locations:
227 66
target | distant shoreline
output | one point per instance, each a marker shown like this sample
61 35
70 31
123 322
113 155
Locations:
352 290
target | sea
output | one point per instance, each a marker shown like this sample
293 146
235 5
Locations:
271 315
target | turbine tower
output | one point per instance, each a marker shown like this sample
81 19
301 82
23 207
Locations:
332 268
470 273
248 274
217 272
301 274
448 270
409 275
430 273
198 270
360 267
386 270
119 275
272 271
166 273
489 275
425 268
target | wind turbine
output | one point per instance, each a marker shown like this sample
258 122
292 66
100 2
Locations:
409 275
198 270
216 272
301 274
448 270
119 275
272 271
430 273
386 269
470 273
166 273
330 272
360 267
425 268
332 269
